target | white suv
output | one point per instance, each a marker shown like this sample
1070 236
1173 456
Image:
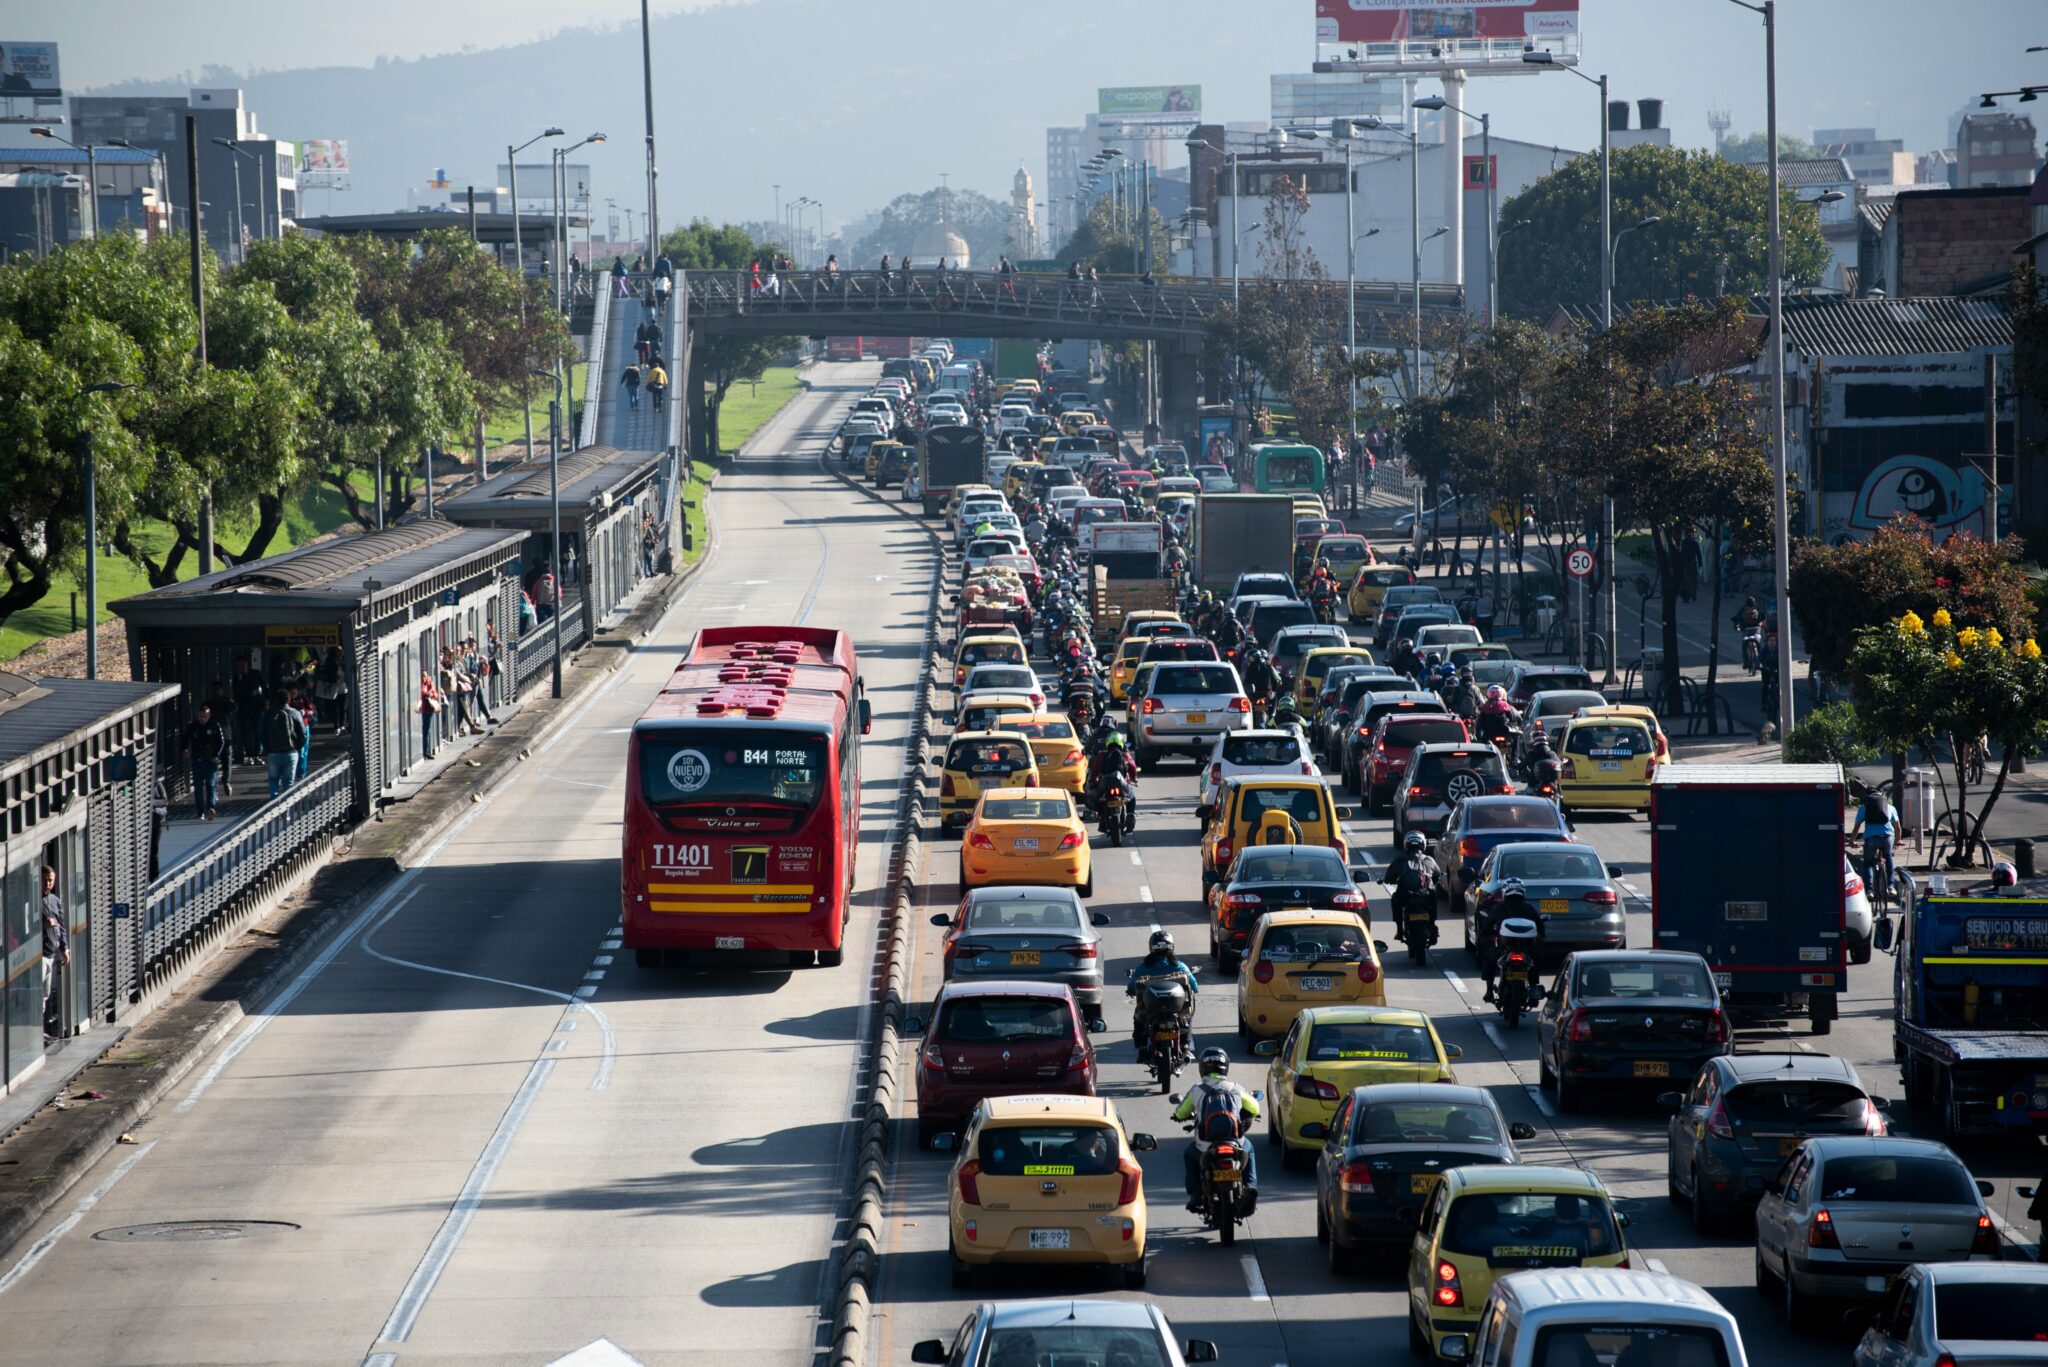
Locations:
1269 752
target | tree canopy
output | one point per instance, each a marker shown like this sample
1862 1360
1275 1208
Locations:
988 226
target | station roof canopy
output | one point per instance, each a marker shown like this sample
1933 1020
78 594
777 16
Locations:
41 717
594 477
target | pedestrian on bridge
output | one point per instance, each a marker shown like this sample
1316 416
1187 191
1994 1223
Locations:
630 382
284 735
430 704
656 382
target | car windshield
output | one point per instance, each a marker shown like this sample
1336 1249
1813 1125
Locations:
1190 679
1645 978
1577 681
1012 912
2003 1312
1051 729
1531 1224
1270 617
1292 864
1608 740
1313 944
988 758
1564 704
1539 815
1026 809
1003 1020
1592 1345
1550 866
1180 648
991 652
1303 804
996 716
1796 1101
1074 1150
723 767
1298 643
1895 1179
1082 1344
1261 751
1398 1122
1409 733
1360 1041
1265 583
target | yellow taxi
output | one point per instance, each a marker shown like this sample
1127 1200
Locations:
987 648
1482 1222
1328 1051
1047 1181
1605 762
1072 423
1151 622
1346 554
874 456
1641 714
1016 478
978 761
1300 959
1309 505
1245 804
1025 386
1362 603
1030 835
1062 763
1316 666
1137 632
994 710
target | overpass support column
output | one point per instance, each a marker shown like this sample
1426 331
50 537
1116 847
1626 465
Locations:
697 426
1178 391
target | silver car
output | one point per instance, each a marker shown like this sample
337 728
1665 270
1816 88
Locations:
1064 1331
1037 933
1184 708
1846 1215
1960 1314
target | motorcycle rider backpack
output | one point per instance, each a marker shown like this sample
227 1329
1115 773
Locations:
1216 1116
1411 880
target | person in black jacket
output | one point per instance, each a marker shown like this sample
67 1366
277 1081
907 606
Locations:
206 746
250 699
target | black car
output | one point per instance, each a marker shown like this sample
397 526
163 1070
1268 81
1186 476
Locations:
1278 878
1268 617
1628 1018
1732 1130
1439 777
1384 1150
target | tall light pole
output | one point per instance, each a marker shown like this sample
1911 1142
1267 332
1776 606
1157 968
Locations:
1351 239
555 514
653 169
1378 124
262 219
561 156
1485 121
518 270
89 471
92 172
1232 158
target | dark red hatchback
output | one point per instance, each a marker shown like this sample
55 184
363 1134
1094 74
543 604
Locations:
998 1038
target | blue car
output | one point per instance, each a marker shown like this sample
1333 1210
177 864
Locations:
1477 824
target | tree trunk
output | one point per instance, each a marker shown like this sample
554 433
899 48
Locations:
28 576
364 515
1713 641
269 518
159 575
1997 788
1673 697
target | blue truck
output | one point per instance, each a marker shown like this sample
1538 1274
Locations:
1746 872
1970 987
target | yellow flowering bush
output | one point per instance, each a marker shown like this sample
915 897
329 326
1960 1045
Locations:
1967 637
1911 625
1941 618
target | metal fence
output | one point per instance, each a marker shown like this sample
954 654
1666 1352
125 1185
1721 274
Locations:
595 358
188 909
530 655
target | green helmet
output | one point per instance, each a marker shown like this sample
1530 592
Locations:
1115 741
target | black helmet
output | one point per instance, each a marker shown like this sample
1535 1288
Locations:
1413 841
1161 940
1214 1063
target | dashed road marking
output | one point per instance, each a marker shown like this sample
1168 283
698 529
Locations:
1455 981
602 961
595 975
1136 858
1145 892
1542 1101
1254 1283
1493 1033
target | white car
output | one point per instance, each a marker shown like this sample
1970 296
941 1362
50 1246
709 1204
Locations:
975 509
1442 636
998 464
1271 752
1003 678
984 549
1013 417
1856 919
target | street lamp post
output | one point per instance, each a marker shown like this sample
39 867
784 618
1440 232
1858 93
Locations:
262 218
518 268
555 516
90 471
92 172
1351 239
561 155
1438 102
1234 160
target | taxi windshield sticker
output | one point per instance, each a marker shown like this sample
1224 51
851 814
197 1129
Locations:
1534 1251
1395 1054
1048 1169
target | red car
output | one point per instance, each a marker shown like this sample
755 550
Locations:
998 1037
1382 762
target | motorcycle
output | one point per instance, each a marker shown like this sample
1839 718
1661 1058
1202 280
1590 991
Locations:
1081 708
1163 1003
1325 604
1261 707
1116 809
1752 648
1415 923
1223 1200
1517 983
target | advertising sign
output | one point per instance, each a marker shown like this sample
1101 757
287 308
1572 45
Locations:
1481 172
323 163
29 71
1398 21
1163 103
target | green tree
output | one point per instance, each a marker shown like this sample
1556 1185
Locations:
987 226
1829 734
1712 241
1752 148
1098 241
723 360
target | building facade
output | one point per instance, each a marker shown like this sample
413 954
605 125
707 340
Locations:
1995 148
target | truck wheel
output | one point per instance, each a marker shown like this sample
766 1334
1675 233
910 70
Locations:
1821 1025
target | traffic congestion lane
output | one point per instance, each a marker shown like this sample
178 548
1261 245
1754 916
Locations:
465 1164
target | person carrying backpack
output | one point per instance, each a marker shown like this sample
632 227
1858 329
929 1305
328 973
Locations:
1223 1113
283 732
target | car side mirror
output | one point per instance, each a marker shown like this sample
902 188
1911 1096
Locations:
945 1141
867 717
2027 1192
1858 1318
1266 1048
1346 813
929 1350
1613 870
1671 1101
1143 1143
913 1025
1984 1188
1454 1051
1521 1129
1199 1350
1882 936
1097 1026
1315 1129
1883 1103
1621 1218
1099 918
942 918
954 599
1380 945
1361 875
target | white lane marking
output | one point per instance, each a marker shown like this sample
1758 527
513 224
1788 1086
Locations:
1135 859
1455 981
2006 1231
1803 1045
1656 1265
595 975
1252 1280
381 1360
586 992
602 961
1542 1101
1493 1033
413 1299
1144 892
554 1046
565 1026
42 1246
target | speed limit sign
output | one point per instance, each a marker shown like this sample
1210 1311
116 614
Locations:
1579 564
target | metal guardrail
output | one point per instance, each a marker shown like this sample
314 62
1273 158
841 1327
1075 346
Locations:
188 907
532 652
594 358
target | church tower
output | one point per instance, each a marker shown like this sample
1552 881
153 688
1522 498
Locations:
1021 206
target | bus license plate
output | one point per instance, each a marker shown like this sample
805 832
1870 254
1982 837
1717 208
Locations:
1554 906
1023 958
1197 718
1051 1238
1654 1067
1024 842
729 942
1319 983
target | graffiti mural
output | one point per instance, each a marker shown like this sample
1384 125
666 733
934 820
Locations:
1949 499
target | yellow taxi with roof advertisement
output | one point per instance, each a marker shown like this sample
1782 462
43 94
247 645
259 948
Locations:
978 762
1346 553
1257 809
1062 763
1483 1222
1606 762
1328 1051
1300 959
1073 421
1369 586
987 648
1316 666
1029 835
1642 714
1047 1181
961 493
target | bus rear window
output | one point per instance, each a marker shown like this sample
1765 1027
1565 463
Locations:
779 768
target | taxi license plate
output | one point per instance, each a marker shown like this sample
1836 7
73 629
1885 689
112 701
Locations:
1023 958
1654 1067
1197 718
729 942
1554 906
1024 842
1420 1183
1319 983
1610 766
1051 1238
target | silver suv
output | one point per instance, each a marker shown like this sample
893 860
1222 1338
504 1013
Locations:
1185 706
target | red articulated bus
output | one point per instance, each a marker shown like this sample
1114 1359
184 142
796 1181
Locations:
743 798
844 349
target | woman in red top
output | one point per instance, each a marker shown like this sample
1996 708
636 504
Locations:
431 702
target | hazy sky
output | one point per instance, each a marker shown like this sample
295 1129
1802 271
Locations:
1904 66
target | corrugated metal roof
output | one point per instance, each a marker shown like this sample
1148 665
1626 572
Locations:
68 708
1813 171
586 476
1917 326
1875 212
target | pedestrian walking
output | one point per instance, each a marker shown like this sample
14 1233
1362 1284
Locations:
663 267
284 736
493 670
159 817
330 688
654 339
206 748
56 948
477 665
630 382
662 285
430 704
544 593
1483 612
640 341
657 383
250 699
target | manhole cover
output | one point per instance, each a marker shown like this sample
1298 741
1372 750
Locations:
186 1231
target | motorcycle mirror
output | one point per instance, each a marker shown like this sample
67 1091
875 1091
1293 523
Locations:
943 918
1521 1129
1266 1048
1143 1143
1454 1051
1173 1098
1258 1095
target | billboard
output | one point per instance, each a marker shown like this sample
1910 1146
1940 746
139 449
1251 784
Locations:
1399 21
29 71
323 164
1148 103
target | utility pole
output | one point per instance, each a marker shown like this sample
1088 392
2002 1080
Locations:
653 171
199 312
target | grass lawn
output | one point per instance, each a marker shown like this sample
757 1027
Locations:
318 512
694 490
508 423
748 405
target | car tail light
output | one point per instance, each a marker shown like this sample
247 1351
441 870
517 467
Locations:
965 949
1354 1178
1717 1122
980 841
1874 1122
1243 901
1603 897
1315 1089
1851 885
1468 848
934 1059
1581 1027
1717 1027
1945 1360
1077 1061
1566 769
1133 1182
1149 706
1368 971
1071 840
1623 1264
1263 972
1086 949
1418 790
1074 757
1504 788
1650 768
1820 1231
970 1185
1986 1240
1240 704
1448 1289
1349 901
1307 768
1223 854
946 785
1216 772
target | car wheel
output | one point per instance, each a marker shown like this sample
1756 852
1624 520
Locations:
1418 1342
1570 1096
1544 1077
963 1272
1766 1280
1671 1191
1336 1258
1245 1035
1134 1276
1087 888
927 1131
1322 1225
1227 963
1859 950
1350 782
1704 1220
1797 1307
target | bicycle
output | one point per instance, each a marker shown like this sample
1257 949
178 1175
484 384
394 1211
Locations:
1878 889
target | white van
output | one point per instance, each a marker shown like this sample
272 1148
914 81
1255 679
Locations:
1585 1316
957 379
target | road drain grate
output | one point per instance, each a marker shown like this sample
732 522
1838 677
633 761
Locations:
188 1231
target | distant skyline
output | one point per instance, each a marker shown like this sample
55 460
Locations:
1000 83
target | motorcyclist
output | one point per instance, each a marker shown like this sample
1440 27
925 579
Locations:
1541 763
1261 680
1159 962
1412 874
1465 698
1322 590
1404 659
1113 758
1496 715
1215 1069
1513 905
1517 933
1286 713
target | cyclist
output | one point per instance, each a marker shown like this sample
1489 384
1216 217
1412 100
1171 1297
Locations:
1877 821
